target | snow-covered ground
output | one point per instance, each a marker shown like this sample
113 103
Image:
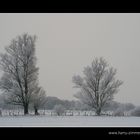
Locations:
69 121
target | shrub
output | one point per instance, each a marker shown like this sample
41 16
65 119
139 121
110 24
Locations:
59 109
119 112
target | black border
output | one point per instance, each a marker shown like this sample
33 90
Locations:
69 132
69 10
35 6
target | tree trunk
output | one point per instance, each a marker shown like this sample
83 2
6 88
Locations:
36 111
26 110
98 111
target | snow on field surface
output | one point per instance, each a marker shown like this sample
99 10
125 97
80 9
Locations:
70 121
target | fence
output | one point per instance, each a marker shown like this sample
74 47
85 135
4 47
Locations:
47 113
20 112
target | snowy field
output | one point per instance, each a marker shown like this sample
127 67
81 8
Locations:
70 121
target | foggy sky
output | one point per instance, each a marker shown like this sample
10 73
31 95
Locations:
67 43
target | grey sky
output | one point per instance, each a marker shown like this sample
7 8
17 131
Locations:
68 42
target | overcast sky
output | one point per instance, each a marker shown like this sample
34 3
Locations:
68 42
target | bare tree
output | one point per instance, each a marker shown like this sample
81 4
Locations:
98 85
20 74
38 99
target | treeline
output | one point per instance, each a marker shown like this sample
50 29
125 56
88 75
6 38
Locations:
51 102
